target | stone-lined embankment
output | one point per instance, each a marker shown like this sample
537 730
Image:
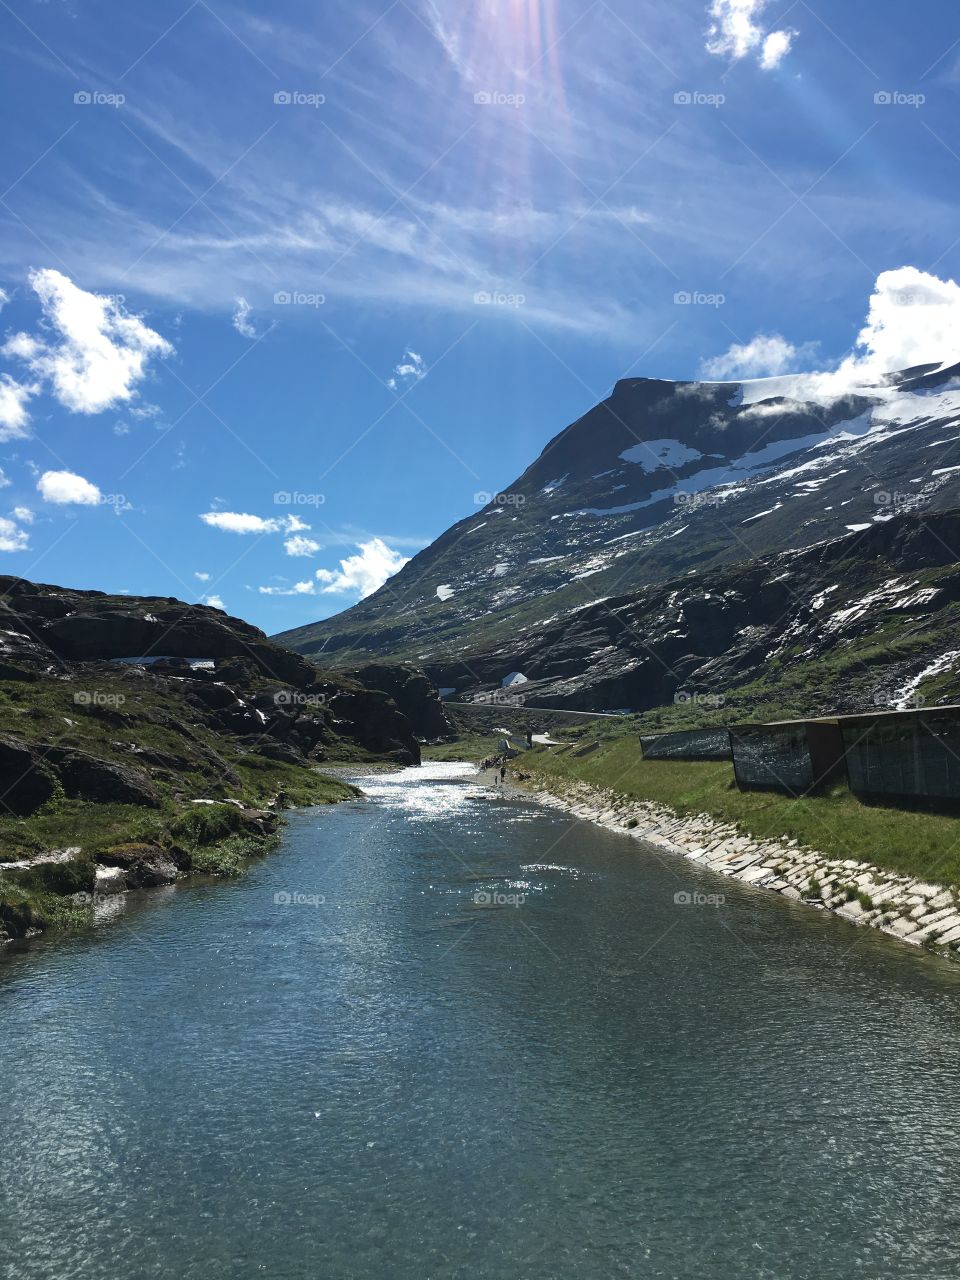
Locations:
908 909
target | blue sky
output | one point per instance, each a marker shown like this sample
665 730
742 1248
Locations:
341 270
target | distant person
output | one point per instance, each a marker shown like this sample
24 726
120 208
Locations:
529 738
503 774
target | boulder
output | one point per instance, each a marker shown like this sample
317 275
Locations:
86 777
19 920
145 866
26 779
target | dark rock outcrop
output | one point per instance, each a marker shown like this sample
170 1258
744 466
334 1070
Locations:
413 692
880 604
86 626
273 700
146 866
85 777
26 780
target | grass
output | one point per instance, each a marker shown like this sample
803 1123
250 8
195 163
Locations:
836 823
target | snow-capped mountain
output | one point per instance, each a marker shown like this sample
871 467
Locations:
661 480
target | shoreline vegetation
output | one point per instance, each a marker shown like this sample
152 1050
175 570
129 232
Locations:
144 740
894 869
95 853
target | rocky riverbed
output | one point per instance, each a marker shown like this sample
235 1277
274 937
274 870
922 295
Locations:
910 910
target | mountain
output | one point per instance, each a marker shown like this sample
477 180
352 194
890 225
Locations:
694 488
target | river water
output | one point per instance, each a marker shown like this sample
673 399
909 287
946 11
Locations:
444 1033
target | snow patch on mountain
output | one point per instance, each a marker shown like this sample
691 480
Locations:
654 455
515 677
903 699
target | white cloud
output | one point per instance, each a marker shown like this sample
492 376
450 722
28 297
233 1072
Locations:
363 573
146 410
299 546
214 602
66 488
241 319
102 352
13 407
241 522
5 480
913 319
298 589
4 298
764 356
410 369
12 538
775 48
735 31
23 514
202 577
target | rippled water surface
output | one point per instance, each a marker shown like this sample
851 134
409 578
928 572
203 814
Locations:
442 1033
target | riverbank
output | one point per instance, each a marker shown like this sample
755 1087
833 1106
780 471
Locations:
910 909
84 857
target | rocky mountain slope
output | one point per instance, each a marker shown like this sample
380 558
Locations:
868 620
144 738
665 485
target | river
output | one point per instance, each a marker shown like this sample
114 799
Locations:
446 1033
